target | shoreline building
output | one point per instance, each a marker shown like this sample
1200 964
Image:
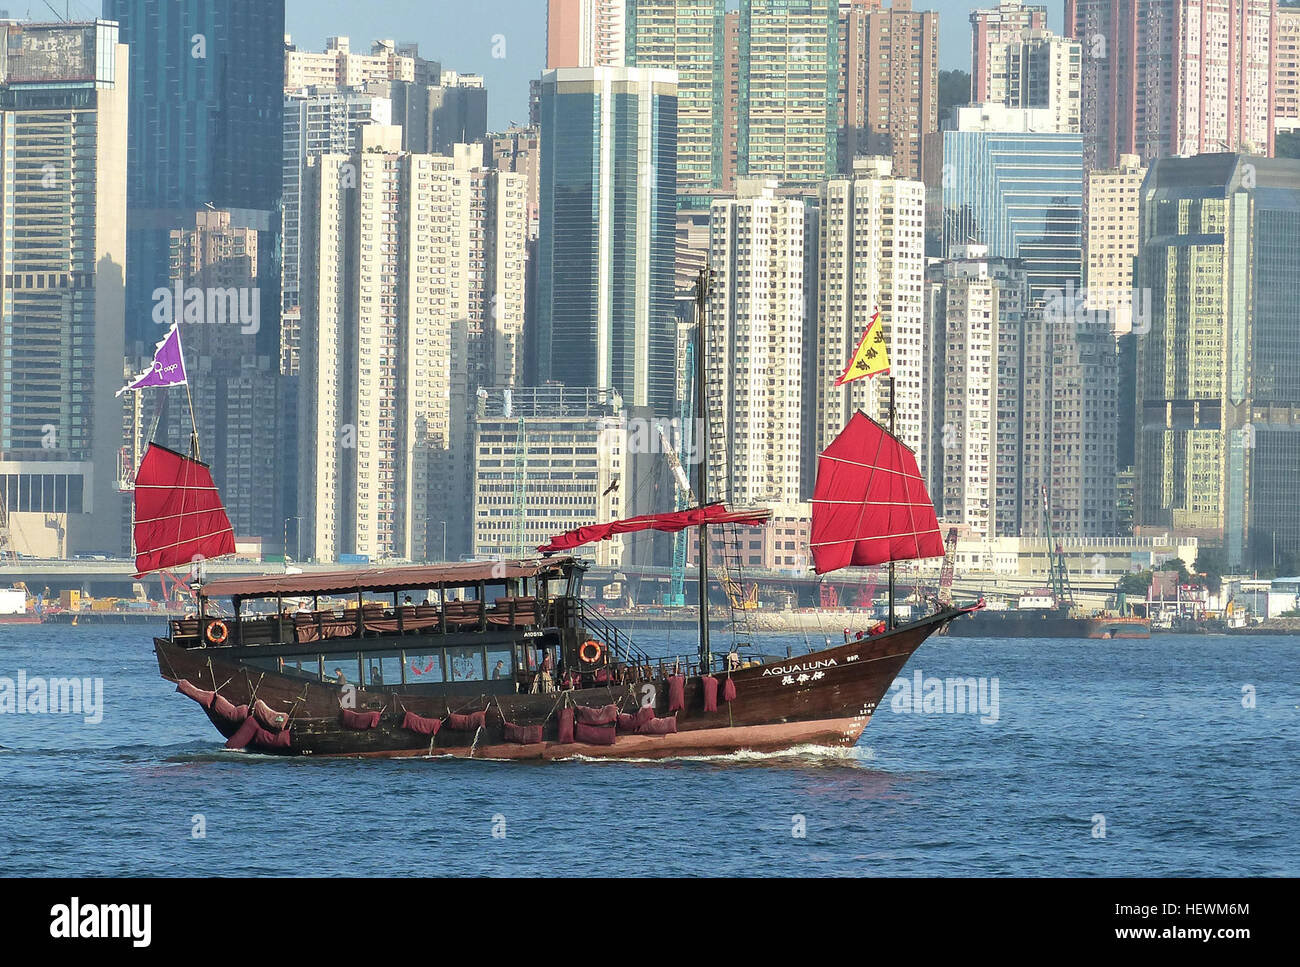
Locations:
1218 372
62 301
888 83
397 335
605 302
756 351
1114 200
546 460
871 252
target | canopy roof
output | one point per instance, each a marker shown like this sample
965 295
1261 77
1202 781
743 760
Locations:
385 579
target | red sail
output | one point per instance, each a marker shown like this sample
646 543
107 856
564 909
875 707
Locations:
870 505
178 512
668 523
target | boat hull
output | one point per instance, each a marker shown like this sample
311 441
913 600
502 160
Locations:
824 698
1046 624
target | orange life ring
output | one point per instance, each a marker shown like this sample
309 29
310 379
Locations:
217 633
591 652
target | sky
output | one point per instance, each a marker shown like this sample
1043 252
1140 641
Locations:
462 34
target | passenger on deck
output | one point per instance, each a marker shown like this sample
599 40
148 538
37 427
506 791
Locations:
733 661
499 671
376 676
339 677
543 681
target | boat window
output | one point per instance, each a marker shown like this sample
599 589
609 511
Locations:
466 664
382 669
342 668
306 666
423 668
498 663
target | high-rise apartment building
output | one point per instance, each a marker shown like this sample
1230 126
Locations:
338 67
1114 200
1218 372
412 295
605 309
1173 77
981 305
756 354
687 36
436 117
1014 183
789 79
991 29
201 134
1037 69
1286 69
872 254
889 82
730 99
585 33
63 169
316 121
519 150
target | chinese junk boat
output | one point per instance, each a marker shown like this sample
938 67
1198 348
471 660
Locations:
504 659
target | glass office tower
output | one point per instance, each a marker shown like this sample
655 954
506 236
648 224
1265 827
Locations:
606 315
1014 185
1218 370
206 128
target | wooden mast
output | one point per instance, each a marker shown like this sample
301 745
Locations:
702 454
893 431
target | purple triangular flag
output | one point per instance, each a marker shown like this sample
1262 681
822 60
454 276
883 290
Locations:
168 367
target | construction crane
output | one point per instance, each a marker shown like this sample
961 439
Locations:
1058 574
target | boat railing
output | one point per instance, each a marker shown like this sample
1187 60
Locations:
373 619
623 648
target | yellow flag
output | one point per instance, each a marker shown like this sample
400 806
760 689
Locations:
871 358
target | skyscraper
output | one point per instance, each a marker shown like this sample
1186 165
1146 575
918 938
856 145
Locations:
63 150
206 128
397 333
756 351
789 79
1167 77
585 33
316 121
1218 382
606 316
1014 183
872 253
1286 69
687 36
981 306
1037 69
1111 242
889 82
1003 24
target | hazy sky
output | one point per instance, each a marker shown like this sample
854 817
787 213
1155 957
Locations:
460 34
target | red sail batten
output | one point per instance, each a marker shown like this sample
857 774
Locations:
669 523
179 516
870 505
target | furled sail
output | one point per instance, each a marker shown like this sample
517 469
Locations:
179 517
669 523
870 505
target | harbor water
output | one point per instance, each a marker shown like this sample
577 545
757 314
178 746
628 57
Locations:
1170 756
